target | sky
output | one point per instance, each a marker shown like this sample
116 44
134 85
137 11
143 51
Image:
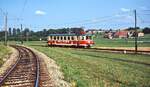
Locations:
89 14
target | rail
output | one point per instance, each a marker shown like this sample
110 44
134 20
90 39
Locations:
37 68
11 69
122 50
6 74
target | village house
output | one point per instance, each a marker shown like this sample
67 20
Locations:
140 34
127 34
121 34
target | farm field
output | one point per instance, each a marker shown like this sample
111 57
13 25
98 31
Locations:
4 51
116 42
90 68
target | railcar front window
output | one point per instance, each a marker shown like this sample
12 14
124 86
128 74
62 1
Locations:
88 37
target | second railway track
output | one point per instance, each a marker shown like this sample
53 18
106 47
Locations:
126 51
26 71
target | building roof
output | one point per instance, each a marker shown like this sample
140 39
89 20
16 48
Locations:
121 33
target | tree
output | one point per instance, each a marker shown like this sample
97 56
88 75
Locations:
44 34
9 32
2 34
146 30
26 33
77 30
18 31
132 28
14 31
51 31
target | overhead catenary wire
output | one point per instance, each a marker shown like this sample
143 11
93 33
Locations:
143 16
95 20
23 8
2 12
89 21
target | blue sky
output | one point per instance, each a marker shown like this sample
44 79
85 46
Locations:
106 14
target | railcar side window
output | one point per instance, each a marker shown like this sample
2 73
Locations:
68 38
64 38
54 37
72 38
61 38
57 37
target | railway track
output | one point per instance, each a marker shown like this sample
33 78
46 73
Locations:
121 50
26 71
126 51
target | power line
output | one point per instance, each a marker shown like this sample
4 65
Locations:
144 14
96 20
142 19
145 10
24 5
3 13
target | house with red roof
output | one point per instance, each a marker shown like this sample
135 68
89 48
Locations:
121 34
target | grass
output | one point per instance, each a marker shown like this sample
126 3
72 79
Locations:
89 68
3 52
116 42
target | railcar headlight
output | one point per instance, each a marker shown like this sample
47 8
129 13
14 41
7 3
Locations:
88 41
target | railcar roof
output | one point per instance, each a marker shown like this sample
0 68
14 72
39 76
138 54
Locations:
69 35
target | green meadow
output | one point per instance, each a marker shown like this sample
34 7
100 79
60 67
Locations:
90 68
123 42
3 52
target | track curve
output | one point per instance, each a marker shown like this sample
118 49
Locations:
25 72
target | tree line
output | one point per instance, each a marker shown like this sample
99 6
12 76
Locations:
27 34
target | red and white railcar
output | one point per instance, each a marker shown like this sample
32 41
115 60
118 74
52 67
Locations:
84 40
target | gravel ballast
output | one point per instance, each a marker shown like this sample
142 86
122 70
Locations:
55 74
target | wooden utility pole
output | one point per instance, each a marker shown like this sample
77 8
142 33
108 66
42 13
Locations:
136 34
27 36
5 19
21 35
